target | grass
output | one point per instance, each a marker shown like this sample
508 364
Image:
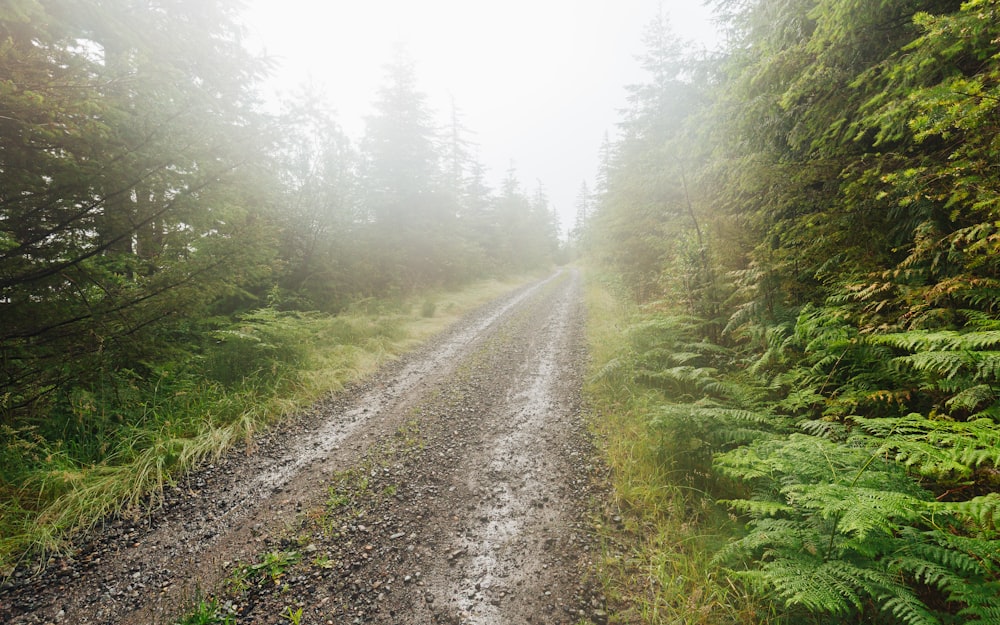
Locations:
656 566
207 613
116 451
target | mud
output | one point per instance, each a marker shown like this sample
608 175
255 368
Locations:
452 487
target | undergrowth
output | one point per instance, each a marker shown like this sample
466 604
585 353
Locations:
111 447
859 472
657 565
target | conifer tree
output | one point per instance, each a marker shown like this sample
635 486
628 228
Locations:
126 126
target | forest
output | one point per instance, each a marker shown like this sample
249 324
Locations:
177 261
793 244
807 225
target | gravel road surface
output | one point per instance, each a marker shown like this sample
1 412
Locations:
452 487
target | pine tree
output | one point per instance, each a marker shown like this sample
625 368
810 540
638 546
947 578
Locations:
126 126
584 212
413 221
401 161
318 212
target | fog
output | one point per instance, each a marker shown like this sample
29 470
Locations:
538 83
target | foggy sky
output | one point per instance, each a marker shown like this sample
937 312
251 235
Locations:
539 82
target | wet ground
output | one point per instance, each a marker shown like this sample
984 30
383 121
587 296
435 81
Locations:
453 487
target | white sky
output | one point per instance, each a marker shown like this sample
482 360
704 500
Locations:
539 82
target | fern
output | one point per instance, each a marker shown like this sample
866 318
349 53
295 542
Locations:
691 433
983 511
945 450
679 382
963 569
830 430
972 398
942 340
861 513
836 526
757 508
965 365
866 462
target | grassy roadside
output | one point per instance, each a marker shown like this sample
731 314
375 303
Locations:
108 451
657 562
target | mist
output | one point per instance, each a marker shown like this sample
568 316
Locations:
538 85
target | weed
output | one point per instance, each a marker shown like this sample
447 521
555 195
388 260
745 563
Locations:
271 567
323 562
337 499
207 613
294 617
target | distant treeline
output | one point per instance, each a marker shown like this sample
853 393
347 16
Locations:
811 220
145 194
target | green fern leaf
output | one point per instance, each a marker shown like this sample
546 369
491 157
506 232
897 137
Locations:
757 508
983 510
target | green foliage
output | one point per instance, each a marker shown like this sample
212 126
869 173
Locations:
842 528
262 345
178 268
270 567
657 567
126 186
840 504
648 222
293 616
844 400
207 613
104 449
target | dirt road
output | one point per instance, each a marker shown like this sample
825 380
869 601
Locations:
451 488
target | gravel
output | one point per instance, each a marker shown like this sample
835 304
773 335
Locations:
452 487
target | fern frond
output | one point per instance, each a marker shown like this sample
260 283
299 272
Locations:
802 399
981 320
771 535
946 364
680 382
811 584
987 365
712 426
963 568
829 430
941 340
743 463
684 358
983 510
616 368
757 507
860 511
937 448
979 340
917 340
961 555
971 398
910 610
